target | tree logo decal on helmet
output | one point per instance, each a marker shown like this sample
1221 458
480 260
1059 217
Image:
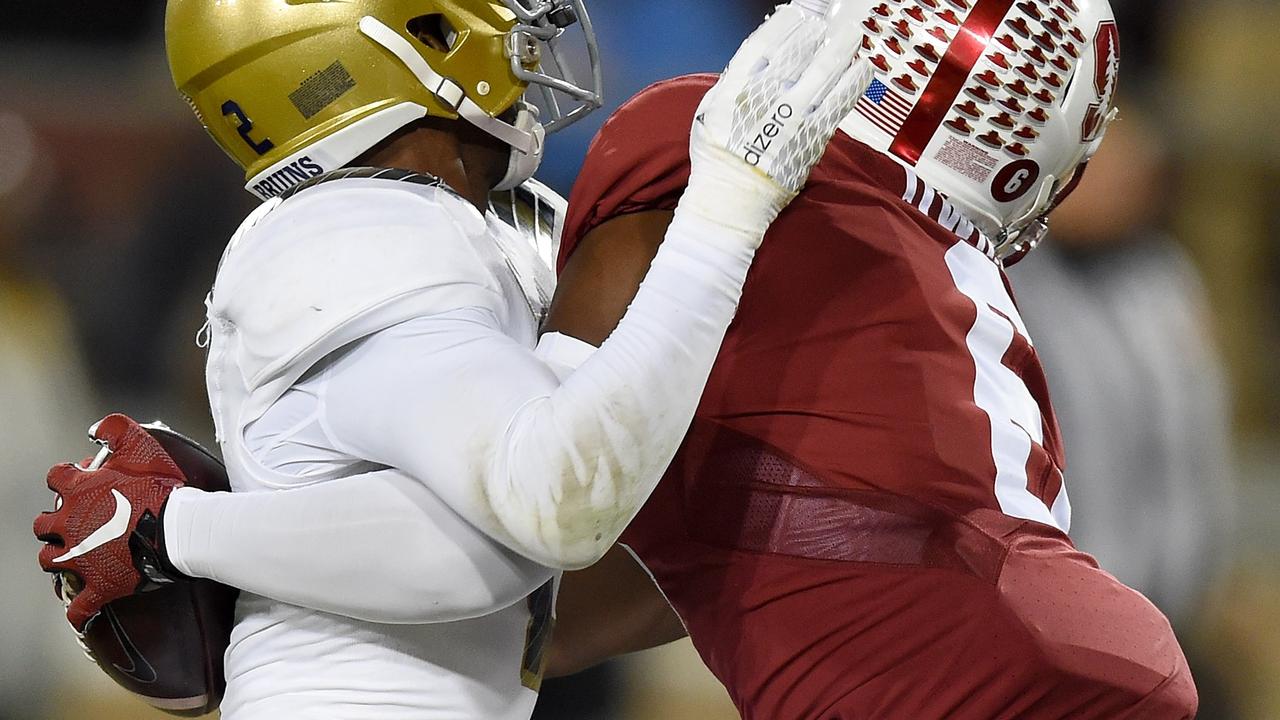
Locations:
1106 48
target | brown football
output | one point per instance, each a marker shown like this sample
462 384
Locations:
166 646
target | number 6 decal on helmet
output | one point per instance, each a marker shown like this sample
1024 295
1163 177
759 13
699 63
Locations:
993 103
1015 180
244 126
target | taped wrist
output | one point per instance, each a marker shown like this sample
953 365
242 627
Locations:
147 546
733 195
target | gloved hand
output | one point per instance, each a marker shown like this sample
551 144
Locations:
768 120
104 538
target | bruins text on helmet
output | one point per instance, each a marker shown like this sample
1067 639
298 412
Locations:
294 89
997 103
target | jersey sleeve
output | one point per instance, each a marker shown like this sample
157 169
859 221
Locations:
380 547
639 161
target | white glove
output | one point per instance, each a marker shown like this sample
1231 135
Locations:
768 120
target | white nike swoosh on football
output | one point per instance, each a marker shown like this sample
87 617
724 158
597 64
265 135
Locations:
114 528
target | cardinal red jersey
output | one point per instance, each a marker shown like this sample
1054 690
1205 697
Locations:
875 347
873 478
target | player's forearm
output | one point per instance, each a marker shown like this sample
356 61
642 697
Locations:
612 608
575 649
577 464
377 547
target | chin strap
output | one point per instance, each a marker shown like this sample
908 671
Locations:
525 137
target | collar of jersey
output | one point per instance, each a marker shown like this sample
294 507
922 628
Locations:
370 173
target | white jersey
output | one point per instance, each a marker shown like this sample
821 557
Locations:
286 661
412 465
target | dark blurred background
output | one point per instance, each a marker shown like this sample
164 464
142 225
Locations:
1154 306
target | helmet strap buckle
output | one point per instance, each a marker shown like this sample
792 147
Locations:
449 93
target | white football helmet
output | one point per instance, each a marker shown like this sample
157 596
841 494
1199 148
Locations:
995 103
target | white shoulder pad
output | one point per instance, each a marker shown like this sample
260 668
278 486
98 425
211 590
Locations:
341 261
536 212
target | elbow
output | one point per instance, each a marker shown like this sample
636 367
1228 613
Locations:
578 557
569 515
572 536
563 557
564 546
577 550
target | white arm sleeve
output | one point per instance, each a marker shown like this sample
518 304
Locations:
553 469
378 547
549 451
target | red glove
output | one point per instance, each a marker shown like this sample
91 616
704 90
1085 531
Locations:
106 528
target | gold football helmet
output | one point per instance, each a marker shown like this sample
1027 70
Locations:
295 88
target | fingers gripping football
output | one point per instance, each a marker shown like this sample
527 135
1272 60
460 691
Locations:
105 528
132 447
784 93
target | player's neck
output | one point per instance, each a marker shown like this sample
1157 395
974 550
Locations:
468 164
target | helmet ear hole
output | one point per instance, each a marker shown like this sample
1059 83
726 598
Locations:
434 30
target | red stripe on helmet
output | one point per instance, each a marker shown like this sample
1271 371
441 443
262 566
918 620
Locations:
972 39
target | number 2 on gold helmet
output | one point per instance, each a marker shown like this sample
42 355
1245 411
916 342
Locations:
291 89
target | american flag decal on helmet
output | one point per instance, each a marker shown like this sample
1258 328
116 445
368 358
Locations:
884 107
